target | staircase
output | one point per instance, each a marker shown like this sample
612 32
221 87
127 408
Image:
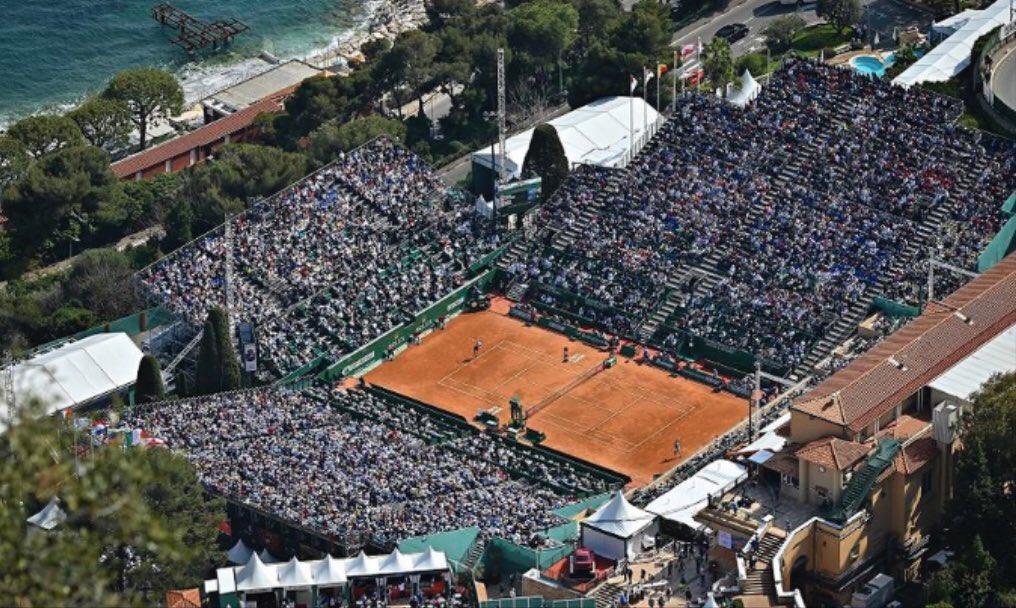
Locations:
475 553
607 594
517 291
760 580
861 483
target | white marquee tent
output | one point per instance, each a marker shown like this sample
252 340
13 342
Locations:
747 92
595 134
75 373
618 528
952 55
256 576
687 498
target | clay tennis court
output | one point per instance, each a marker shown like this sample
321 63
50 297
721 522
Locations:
625 418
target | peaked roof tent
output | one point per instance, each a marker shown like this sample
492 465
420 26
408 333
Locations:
619 517
239 553
257 576
50 516
295 573
595 134
329 571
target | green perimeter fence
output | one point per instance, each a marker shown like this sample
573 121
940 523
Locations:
377 350
536 601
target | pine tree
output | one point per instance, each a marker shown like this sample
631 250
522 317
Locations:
149 385
547 159
209 368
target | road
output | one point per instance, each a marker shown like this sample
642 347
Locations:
1003 79
879 15
756 14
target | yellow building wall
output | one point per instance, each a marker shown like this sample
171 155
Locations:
805 428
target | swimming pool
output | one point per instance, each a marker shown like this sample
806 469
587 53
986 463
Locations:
870 64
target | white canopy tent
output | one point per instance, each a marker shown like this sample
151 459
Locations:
431 559
618 529
747 93
362 565
952 55
256 576
268 558
329 572
295 574
687 498
50 516
239 553
75 373
997 356
599 133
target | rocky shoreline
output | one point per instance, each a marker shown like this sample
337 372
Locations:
388 21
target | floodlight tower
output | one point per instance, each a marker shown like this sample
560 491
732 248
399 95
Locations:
501 120
7 385
227 275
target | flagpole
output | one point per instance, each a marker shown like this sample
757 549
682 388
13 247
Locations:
631 121
674 82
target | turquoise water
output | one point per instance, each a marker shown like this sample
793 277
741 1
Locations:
869 64
54 52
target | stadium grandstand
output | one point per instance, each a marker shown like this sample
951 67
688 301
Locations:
366 467
766 234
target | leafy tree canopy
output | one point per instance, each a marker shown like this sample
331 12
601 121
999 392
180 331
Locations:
149 94
45 134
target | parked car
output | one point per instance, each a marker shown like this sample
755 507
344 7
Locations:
732 32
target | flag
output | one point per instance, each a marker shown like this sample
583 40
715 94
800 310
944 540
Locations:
688 49
647 75
661 70
634 83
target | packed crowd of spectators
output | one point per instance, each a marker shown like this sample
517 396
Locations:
306 458
803 204
334 261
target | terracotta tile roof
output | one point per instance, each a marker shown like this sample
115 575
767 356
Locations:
184 598
782 462
902 429
207 134
915 455
896 368
833 453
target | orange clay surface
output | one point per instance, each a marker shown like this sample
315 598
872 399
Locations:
625 418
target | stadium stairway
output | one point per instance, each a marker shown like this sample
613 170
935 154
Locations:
475 553
607 594
760 580
517 291
838 334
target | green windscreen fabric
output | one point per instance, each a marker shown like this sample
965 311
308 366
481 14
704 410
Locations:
593 503
455 544
1009 206
1002 245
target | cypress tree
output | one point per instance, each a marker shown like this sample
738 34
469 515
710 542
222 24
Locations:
149 385
209 367
229 363
546 158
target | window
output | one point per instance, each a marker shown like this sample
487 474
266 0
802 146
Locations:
927 482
